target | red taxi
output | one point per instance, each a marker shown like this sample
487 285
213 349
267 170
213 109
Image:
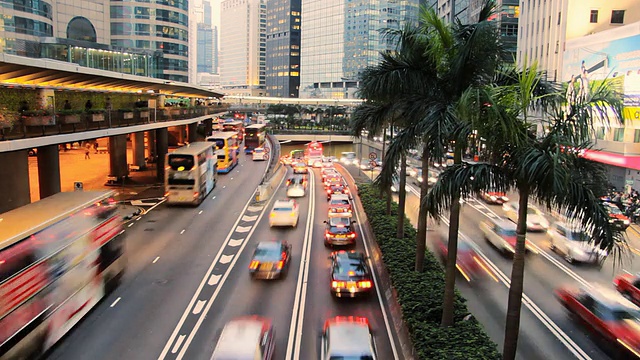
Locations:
608 314
629 286
494 197
339 231
333 179
470 265
339 205
328 172
337 188
619 220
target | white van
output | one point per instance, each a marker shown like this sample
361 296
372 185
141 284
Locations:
259 154
247 337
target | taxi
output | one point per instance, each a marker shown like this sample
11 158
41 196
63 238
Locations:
246 337
284 213
350 274
300 168
339 231
337 188
270 260
502 235
339 205
347 337
629 286
494 197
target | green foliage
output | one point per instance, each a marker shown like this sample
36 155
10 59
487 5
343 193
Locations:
10 98
69 112
420 293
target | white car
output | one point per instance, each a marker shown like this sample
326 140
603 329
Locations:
260 154
574 244
347 337
348 158
296 187
246 337
535 218
284 213
501 233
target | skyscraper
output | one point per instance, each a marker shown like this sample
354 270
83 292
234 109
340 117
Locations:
243 47
341 38
283 47
214 60
507 16
205 49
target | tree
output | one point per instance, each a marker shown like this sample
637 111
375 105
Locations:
547 168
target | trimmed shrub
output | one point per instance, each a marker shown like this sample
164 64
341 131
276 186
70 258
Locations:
420 294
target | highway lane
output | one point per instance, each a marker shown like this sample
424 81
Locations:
168 251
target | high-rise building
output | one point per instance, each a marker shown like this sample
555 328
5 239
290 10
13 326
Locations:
204 49
161 25
283 48
340 39
445 8
506 15
545 27
216 64
206 13
243 47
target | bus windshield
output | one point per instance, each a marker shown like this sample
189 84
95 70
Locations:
219 143
181 162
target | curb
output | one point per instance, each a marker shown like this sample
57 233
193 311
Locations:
390 296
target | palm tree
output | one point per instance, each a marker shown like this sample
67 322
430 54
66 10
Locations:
548 169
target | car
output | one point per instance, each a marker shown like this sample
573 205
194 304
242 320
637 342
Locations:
327 162
494 197
431 180
470 265
501 233
337 188
300 168
347 337
284 213
296 186
316 163
367 164
339 231
339 205
616 217
350 274
333 179
573 243
259 154
246 337
412 171
605 312
348 158
535 218
270 260
395 186
329 172
286 160
629 286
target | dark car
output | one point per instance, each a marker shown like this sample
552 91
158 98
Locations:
270 260
350 274
337 188
339 231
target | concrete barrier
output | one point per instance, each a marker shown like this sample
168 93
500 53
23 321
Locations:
268 188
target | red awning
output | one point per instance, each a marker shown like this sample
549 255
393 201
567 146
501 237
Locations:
628 162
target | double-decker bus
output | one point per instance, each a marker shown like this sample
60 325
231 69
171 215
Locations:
255 135
190 173
235 126
58 257
313 153
226 145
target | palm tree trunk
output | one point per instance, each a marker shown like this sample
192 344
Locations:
512 327
452 252
402 195
421 236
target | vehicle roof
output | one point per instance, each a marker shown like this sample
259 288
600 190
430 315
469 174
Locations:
570 227
222 135
256 126
349 339
505 224
258 149
284 202
270 245
610 297
193 148
237 338
339 197
31 218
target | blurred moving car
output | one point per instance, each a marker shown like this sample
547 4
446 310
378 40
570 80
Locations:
339 205
286 160
327 162
629 286
535 218
339 231
300 168
348 158
337 188
246 337
284 213
431 180
395 186
347 337
606 313
333 180
270 260
619 220
494 197
574 244
259 154
502 234
470 265
365 164
296 186
329 172
350 274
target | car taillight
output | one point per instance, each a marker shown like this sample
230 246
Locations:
326 233
337 284
346 191
329 191
352 235
280 264
195 194
254 264
616 282
364 284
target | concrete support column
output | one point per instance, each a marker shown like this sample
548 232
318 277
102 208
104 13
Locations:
118 156
48 170
162 147
208 127
14 180
151 141
192 131
138 150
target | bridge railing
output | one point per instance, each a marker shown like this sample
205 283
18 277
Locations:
14 126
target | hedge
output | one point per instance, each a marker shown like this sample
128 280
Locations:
420 294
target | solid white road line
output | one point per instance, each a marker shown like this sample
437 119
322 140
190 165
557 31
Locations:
115 302
130 225
376 282
295 329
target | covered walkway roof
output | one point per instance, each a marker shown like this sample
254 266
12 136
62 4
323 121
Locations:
46 73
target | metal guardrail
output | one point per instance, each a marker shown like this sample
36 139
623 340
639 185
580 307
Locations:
36 126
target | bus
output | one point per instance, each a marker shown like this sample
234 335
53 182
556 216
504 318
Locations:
297 155
58 257
235 126
190 173
255 137
313 153
226 145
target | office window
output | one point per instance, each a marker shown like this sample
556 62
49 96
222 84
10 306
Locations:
600 133
559 17
618 134
636 136
617 16
594 17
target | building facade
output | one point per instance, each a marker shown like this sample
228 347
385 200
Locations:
216 63
243 47
444 9
507 16
204 49
283 48
340 39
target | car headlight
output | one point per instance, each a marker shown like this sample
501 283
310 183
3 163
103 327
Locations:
627 222
420 178
394 189
611 221
493 198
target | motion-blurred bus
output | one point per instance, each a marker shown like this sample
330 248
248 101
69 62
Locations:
58 257
255 135
236 126
313 153
191 173
226 145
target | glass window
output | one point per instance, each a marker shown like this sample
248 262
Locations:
636 136
600 133
617 16
618 134
22 25
593 17
142 12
